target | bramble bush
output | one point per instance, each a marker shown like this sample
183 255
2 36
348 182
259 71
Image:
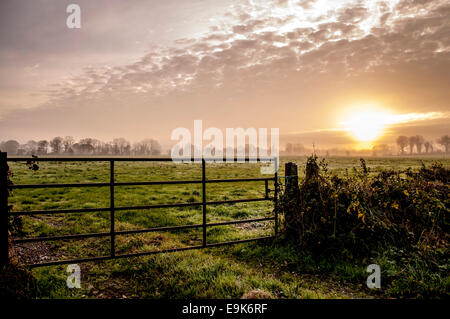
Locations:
398 218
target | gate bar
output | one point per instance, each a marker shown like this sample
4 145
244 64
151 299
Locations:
107 209
4 242
137 231
68 185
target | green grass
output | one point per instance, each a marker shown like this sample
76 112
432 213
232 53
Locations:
226 272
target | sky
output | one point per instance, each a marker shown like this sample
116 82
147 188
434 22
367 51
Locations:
333 73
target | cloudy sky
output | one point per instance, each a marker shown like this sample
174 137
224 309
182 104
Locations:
331 72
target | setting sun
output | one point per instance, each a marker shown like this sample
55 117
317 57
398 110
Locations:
366 126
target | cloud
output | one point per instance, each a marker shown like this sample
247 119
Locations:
272 46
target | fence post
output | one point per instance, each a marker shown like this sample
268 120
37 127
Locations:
4 208
291 200
204 200
291 175
111 200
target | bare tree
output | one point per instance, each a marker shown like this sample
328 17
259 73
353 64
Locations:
155 147
68 142
402 142
444 141
42 147
412 143
56 144
419 143
106 148
121 146
31 147
87 141
428 147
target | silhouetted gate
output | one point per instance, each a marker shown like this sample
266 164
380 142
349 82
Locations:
112 208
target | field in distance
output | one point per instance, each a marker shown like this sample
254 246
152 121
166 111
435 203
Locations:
225 272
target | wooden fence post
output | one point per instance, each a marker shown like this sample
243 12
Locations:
291 175
4 209
291 200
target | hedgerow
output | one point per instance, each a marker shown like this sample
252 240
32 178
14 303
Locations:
399 218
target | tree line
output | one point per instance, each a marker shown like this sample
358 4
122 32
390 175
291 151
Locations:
418 143
86 146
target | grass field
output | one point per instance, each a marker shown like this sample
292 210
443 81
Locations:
271 269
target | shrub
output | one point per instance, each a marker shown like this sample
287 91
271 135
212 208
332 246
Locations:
361 217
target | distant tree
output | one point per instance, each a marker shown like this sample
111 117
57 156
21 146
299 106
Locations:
106 148
144 147
95 143
42 147
419 143
155 147
121 146
21 150
10 146
402 142
56 144
68 142
381 149
428 147
31 147
87 141
82 149
412 143
444 141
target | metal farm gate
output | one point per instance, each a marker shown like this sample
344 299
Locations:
112 184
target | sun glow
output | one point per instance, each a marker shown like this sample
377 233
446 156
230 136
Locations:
366 126
367 123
